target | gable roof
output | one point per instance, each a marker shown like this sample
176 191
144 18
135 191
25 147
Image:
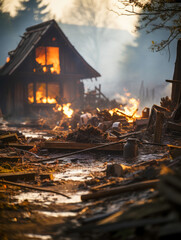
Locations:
28 42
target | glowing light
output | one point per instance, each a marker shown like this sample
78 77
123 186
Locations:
48 57
7 59
65 108
129 111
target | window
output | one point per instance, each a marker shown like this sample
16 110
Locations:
44 92
47 59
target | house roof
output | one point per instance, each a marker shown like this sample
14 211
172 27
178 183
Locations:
28 42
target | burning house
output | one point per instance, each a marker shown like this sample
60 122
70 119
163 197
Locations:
44 69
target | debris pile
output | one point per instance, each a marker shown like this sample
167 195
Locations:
88 134
129 189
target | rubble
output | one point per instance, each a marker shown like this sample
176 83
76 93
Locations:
128 189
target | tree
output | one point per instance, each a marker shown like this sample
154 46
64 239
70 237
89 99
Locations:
154 15
30 13
5 29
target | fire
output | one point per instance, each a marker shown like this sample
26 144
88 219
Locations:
129 111
41 99
44 93
48 58
7 59
65 108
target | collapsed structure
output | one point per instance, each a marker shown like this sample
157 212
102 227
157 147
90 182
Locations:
43 70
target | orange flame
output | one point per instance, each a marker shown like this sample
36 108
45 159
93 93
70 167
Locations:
48 57
7 59
129 111
65 108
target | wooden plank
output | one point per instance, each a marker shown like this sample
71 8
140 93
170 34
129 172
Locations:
22 146
117 190
79 146
9 137
68 146
10 159
158 127
27 176
173 81
174 126
18 176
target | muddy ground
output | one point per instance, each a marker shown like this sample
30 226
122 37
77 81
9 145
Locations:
136 214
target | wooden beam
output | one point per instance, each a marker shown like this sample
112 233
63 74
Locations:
174 81
117 190
9 159
158 127
33 188
80 146
9 137
18 176
25 176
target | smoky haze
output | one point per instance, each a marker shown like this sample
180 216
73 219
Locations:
123 59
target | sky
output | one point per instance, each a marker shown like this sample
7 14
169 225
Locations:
125 60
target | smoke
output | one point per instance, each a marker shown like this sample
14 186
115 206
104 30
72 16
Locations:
12 7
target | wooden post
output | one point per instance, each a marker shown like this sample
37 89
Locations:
158 127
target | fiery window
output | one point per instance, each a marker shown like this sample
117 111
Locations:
44 92
48 59
30 93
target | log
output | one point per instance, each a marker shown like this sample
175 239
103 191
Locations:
33 188
114 191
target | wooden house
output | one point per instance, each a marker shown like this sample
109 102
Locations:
43 70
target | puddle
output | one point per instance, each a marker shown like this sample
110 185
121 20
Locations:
37 236
58 214
48 198
78 174
150 156
29 134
